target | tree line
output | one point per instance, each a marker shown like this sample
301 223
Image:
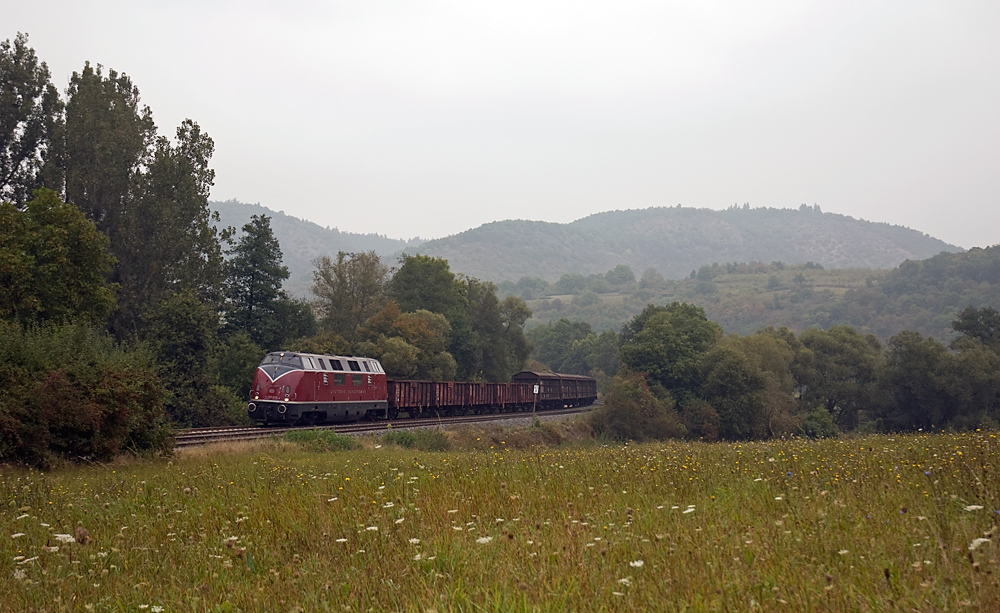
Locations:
673 372
129 312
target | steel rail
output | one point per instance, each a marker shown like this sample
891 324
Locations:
204 436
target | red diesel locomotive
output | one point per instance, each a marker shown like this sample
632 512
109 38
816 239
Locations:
303 388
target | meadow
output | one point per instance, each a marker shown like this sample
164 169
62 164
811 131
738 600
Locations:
852 524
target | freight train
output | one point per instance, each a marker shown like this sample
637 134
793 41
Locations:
304 388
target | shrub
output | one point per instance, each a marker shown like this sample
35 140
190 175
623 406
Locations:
422 439
70 391
819 424
632 412
322 440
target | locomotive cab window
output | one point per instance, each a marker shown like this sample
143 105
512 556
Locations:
322 364
336 365
367 368
354 365
339 378
356 380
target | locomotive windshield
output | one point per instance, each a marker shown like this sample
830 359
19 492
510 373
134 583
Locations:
287 359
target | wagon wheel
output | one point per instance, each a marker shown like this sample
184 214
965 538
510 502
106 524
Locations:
391 413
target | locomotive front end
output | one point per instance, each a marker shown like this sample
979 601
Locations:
275 389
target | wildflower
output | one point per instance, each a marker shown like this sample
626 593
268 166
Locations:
618 593
625 581
331 499
17 535
456 527
156 608
974 507
22 516
777 497
64 538
51 549
341 540
842 552
388 505
977 542
399 521
417 557
453 511
372 528
414 541
20 574
484 539
636 563
689 510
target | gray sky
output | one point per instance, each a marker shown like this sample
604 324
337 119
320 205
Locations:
410 118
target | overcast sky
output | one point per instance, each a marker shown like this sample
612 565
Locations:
410 118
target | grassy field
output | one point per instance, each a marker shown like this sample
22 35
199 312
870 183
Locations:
865 524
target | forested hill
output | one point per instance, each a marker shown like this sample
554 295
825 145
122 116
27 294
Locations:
676 241
303 241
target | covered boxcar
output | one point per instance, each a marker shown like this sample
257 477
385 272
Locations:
555 390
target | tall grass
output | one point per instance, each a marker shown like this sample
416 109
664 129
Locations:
866 524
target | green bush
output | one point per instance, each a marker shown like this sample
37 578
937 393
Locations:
322 440
70 391
422 439
818 424
632 412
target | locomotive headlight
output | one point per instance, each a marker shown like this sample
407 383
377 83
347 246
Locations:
251 407
282 409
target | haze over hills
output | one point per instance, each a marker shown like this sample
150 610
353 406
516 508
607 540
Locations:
677 240
303 241
673 240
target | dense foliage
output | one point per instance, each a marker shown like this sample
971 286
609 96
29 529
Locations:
421 320
775 382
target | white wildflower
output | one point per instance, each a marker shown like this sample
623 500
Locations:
388 505
372 528
636 563
453 511
399 521
22 516
689 510
484 539
331 499
17 535
618 593
51 549
456 528
777 497
20 574
28 560
341 540
414 541
156 608
974 507
843 552
417 557
625 581
977 542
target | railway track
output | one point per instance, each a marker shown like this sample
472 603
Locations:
205 436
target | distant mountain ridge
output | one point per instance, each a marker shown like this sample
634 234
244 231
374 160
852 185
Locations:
303 241
673 240
677 240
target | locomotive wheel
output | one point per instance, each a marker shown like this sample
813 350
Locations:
391 413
